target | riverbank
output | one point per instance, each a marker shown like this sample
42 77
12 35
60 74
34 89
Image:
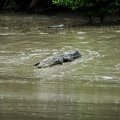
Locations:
80 18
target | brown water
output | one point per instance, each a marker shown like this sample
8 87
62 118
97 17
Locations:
85 89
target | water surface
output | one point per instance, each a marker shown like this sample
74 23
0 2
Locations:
85 89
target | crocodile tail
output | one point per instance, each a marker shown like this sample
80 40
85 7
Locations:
36 64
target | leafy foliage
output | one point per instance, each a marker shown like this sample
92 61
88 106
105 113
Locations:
74 4
101 6
91 8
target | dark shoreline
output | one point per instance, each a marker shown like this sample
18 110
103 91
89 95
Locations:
109 20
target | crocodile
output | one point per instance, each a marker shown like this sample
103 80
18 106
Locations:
58 59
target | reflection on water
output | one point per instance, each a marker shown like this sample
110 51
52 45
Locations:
85 89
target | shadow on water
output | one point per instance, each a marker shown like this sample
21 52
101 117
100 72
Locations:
85 89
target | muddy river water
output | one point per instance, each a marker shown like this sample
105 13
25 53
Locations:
85 89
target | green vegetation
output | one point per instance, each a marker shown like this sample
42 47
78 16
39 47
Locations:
103 5
89 8
92 8
75 4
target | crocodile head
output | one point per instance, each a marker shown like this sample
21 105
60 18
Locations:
73 54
